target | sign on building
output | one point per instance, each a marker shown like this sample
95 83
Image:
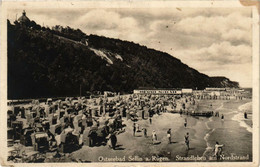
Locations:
177 92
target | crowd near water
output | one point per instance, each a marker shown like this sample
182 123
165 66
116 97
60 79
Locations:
66 125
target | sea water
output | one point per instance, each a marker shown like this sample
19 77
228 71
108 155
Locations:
233 132
240 116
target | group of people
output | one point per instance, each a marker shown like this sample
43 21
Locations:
136 129
73 113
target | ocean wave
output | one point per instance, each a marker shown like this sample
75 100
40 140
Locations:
232 112
220 107
245 107
240 116
206 137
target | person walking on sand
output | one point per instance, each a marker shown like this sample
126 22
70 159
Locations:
150 119
187 142
169 136
185 122
134 129
218 150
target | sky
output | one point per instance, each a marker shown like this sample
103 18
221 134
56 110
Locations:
216 42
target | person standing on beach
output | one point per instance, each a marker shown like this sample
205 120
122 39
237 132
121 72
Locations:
154 136
137 127
187 142
169 136
145 132
245 115
222 117
113 139
134 129
150 119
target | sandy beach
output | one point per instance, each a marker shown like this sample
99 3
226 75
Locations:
203 132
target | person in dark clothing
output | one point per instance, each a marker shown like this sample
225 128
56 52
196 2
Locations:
245 115
187 142
92 138
134 129
145 132
222 117
185 122
113 139
150 119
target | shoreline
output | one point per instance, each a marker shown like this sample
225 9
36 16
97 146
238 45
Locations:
227 132
202 137
245 123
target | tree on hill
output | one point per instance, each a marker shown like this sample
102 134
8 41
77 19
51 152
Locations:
43 64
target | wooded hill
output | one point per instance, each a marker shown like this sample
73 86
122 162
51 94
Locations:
44 62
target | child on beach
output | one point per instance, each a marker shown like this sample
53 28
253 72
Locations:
187 142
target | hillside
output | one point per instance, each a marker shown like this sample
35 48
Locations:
44 62
224 82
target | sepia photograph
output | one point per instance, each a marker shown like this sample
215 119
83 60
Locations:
129 83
